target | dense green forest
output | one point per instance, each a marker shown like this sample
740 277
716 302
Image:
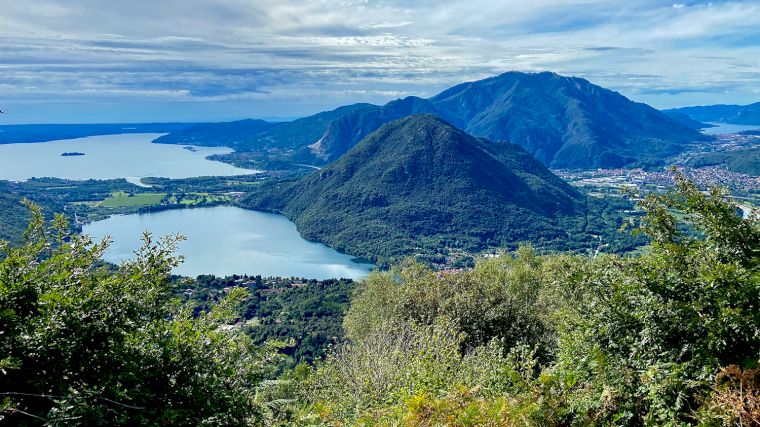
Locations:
668 337
419 186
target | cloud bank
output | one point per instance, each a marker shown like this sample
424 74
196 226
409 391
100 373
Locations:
138 60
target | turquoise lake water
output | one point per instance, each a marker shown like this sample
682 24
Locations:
227 240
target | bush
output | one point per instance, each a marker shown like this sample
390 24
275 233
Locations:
82 344
670 337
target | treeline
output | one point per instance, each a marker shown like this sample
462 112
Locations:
669 337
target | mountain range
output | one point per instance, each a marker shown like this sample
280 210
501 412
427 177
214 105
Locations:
565 122
418 184
734 114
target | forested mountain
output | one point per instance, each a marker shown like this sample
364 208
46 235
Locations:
348 130
15 215
419 181
566 122
736 114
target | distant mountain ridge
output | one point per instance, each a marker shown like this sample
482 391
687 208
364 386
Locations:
228 134
253 134
419 181
687 121
13 134
566 122
733 114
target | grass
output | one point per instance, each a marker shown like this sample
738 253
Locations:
197 199
121 199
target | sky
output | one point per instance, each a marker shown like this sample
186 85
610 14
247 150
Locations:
86 61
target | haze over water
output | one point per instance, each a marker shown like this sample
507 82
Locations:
111 156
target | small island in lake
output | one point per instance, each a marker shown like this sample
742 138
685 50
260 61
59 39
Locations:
72 153
190 148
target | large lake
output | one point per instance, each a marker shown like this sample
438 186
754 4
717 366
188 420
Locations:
130 156
720 128
229 240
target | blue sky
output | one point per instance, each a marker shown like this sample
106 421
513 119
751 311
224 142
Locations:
200 60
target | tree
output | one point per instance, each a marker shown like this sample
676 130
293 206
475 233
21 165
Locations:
84 344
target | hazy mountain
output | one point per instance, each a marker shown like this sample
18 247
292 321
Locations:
228 134
301 132
419 181
565 122
686 120
12 134
735 114
248 135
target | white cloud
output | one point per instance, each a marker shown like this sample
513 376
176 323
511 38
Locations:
280 50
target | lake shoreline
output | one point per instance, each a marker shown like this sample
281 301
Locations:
245 241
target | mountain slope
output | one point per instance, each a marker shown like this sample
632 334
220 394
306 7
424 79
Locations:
419 182
566 122
735 114
301 132
346 131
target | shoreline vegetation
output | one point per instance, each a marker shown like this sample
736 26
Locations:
665 337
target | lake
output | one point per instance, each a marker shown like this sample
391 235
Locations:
721 128
130 156
229 240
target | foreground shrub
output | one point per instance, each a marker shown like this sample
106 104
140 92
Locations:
564 340
81 344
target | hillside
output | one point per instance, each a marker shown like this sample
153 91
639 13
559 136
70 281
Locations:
566 122
735 114
419 183
346 131
229 134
